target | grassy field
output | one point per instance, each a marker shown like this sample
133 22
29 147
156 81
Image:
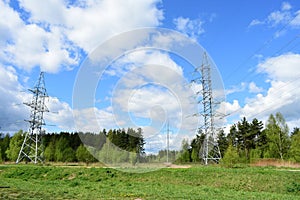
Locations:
197 182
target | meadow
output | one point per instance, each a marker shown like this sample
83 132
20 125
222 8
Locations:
197 182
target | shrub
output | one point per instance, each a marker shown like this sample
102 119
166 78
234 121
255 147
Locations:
231 157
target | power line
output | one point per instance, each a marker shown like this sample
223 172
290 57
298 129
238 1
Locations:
269 41
278 94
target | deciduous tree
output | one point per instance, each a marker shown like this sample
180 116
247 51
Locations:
277 134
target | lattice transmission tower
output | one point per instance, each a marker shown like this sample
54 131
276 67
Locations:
32 149
210 148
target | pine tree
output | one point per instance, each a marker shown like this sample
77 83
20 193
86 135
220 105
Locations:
222 142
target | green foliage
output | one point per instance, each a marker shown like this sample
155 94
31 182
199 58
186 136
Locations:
231 157
222 142
277 135
294 151
60 146
69 155
1 160
49 153
111 154
255 154
210 182
4 144
195 155
185 153
196 145
83 155
14 146
294 187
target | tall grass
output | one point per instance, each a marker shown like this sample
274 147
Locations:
197 182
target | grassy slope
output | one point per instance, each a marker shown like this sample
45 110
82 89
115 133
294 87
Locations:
48 182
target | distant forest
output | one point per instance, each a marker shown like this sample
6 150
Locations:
246 142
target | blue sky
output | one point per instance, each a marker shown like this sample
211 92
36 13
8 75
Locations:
254 45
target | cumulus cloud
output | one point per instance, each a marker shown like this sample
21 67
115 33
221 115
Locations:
93 119
190 27
27 45
60 115
283 93
12 110
89 24
281 68
154 81
253 88
54 34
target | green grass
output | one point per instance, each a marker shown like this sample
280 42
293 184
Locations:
198 182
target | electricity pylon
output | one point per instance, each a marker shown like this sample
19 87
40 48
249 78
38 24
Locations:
31 148
210 148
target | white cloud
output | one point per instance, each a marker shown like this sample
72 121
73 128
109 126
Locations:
283 94
296 20
278 17
284 16
52 36
96 21
253 88
283 68
152 86
93 119
230 107
13 111
54 33
29 45
60 114
238 88
255 22
286 6
190 27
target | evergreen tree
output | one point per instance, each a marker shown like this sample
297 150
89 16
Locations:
294 151
232 136
295 131
196 145
222 142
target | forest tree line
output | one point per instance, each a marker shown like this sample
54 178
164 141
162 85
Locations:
78 147
246 142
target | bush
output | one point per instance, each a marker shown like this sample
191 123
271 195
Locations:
231 157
